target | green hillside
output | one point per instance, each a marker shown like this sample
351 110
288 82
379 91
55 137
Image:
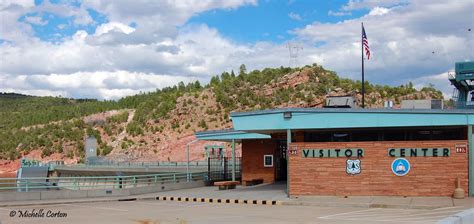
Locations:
48 123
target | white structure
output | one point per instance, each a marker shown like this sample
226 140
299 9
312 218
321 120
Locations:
422 104
294 49
340 102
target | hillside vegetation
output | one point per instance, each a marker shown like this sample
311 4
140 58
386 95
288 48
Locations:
148 124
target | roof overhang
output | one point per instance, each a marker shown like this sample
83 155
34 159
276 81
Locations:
311 118
229 135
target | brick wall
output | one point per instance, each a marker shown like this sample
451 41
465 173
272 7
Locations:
429 176
252 160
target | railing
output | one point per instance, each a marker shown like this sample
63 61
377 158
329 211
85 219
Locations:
96 182
451 75
464 104
221 168
111 164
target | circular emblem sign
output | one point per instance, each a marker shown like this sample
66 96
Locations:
400 167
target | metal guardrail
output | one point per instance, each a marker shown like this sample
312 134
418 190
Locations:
96 182
195 164
451 75
464 105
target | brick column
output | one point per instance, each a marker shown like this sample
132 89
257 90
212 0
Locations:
471 161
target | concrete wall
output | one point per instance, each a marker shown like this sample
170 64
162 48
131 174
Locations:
429 176
252 160
465 217
72 194
422 104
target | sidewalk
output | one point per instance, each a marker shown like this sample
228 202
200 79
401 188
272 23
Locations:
271 194
383 202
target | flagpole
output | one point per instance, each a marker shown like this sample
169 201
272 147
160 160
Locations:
362 50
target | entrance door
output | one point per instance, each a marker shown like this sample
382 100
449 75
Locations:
280 161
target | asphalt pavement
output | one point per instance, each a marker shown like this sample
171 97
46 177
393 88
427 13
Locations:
153 211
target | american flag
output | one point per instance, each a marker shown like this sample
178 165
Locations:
365 42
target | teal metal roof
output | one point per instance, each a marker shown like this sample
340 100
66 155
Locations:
462 68
353 110
229 135
325 118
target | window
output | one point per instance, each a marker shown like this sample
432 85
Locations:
386 134
420 134
394 135
317 137
361 136
341 137
268 160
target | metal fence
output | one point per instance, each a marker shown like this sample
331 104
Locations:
221 169
96 182
150 164
464 105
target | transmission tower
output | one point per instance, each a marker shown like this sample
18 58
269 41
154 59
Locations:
294 49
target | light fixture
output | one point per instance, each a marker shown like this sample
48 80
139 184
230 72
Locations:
287 115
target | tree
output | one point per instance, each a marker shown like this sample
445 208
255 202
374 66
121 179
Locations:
242 69
225 76
181 86
215 80
197 85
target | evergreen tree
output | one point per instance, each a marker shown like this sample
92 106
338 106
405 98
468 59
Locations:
242 69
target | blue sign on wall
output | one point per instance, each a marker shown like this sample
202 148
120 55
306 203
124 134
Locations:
400 167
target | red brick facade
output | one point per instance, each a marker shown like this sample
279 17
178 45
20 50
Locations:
252 160
429 176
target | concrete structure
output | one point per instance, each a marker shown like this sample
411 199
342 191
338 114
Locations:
94 193
90 146
356 152
465 217
462 80
422 104
65 171
340 102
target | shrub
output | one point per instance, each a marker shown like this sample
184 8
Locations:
124 145
134 128
106 150
202 124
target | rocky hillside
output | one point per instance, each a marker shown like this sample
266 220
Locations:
158 125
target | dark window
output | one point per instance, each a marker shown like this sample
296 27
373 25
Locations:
268 160
454 134
394 135
420 135
317 137
387 134
341 137
361 136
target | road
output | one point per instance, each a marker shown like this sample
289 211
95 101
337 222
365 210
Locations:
151 211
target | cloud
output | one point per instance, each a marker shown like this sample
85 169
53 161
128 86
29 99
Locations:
14 3
332 13
37 20
438 81
369 4
158 21
80 14
113 27
12 29
117 58
402 41
294 16
20 31
378 11
197 50
106 85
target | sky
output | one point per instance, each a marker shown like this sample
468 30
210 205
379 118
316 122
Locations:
107 49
